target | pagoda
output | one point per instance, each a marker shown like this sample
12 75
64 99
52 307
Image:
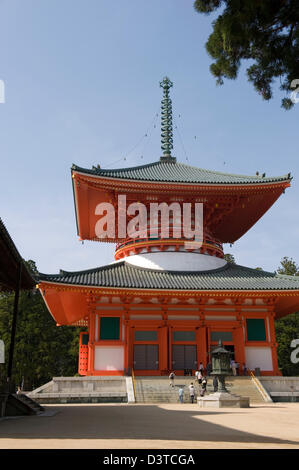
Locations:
165 302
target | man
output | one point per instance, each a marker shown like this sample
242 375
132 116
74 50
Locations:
181 394
192 392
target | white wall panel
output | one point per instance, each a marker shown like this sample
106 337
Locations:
259 357
109 358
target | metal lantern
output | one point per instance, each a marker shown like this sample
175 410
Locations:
221 365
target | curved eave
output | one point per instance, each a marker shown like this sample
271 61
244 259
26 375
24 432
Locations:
182 292
226 185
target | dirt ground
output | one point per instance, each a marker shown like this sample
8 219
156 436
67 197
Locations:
164 426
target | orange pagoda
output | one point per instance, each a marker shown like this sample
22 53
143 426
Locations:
165 302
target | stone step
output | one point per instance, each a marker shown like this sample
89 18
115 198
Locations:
157 389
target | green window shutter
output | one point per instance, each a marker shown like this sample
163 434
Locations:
109 327
85 339
184 336
223 335
256 330
146 335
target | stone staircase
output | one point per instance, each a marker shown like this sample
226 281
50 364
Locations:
82 390
35 406
158 390
12 404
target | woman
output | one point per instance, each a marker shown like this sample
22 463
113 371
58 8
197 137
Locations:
199 377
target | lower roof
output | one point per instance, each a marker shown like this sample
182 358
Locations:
124 275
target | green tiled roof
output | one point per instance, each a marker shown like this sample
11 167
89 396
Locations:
172 171
124 275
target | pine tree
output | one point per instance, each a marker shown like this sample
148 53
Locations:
265 32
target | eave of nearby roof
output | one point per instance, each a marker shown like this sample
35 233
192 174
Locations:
175 172
10 262
124 275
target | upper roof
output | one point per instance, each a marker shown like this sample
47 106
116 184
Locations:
175 172
125 275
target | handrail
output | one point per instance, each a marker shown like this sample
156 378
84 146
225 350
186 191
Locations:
130 240
257 383
134 386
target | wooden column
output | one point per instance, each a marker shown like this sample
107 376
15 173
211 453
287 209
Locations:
14 325
239 342
202 345
127 341
163 342
91 307
170 365
272 340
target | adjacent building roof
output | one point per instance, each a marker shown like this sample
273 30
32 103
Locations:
173 171
10 262
125 275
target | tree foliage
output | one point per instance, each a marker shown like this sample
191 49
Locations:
42 350
287 328
265 32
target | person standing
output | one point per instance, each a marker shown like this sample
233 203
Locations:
192 392
199 377
233 366
209 368
244 369
237 368
171 379
203 387
201 368
181 394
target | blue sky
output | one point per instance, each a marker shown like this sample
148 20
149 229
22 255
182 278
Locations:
82 86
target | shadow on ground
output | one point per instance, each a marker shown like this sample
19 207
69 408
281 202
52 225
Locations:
141 422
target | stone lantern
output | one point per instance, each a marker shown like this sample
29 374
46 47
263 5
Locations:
221 365
222 398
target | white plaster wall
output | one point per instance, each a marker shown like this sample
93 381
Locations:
176 261
145 317
183 317
259 357
219 317
109 358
